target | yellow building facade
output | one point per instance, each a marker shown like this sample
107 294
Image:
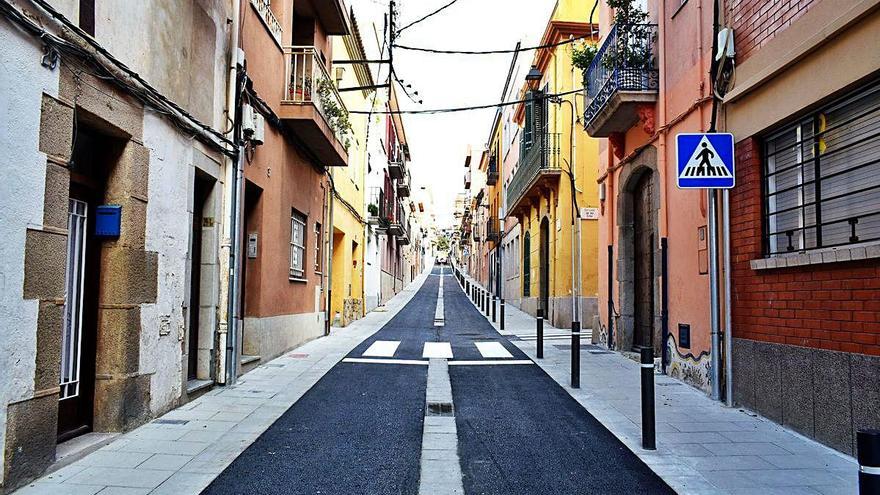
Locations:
554 187
349 210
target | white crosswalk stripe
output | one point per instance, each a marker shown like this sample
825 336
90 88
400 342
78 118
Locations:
440 350
492 350
382 348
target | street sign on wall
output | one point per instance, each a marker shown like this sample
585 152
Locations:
705 161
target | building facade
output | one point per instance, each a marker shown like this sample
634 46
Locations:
349 200
805 226
553 186
653 265
111 222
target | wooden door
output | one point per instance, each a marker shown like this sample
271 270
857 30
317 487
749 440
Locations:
643 252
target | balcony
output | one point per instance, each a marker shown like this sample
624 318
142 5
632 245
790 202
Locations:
538 167
476 233
492 171
376 209
467 179
622 77
403 185
492 233
397 166
312 108
396 225
404 238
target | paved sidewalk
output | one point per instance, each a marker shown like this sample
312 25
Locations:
184 450
703 447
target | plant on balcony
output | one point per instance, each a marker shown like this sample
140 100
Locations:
633 50
373 209
336 116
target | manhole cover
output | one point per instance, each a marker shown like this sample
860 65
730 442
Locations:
439 409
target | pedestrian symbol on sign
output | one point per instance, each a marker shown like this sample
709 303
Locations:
705 160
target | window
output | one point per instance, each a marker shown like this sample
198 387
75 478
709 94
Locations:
87 16
318 258
527 266
822 177
297 245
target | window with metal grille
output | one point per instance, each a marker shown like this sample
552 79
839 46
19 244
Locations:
297 245
822 177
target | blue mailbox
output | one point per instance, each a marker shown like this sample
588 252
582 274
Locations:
108 220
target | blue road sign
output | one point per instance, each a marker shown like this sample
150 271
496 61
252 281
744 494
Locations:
705 161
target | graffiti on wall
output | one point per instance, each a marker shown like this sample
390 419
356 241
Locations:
691 369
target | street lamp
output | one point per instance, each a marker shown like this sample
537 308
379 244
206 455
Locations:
534 74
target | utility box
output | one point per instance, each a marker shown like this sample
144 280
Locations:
108 221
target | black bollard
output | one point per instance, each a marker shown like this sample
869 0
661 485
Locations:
540 337
494 303
502 313
575 354
488 310
649 441
868 455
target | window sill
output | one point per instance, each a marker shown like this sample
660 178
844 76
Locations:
298 280
819 257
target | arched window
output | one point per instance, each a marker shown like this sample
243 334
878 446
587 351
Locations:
527 265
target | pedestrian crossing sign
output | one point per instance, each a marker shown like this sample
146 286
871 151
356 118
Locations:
705 160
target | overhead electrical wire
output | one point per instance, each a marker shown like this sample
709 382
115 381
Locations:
492 52
463 109
441 9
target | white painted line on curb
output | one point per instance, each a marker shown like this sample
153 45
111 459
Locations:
382 348
384 361
490 362
441 350
492 350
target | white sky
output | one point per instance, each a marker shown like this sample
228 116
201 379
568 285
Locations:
438 143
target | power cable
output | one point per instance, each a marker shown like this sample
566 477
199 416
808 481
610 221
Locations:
464 109
493 52
427 16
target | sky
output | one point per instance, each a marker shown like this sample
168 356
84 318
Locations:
438 143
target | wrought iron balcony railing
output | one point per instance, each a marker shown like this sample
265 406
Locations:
264 8
403 185
624 63
492 230
309 82
541 157
492 171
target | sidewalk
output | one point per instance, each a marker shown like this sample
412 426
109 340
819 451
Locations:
184 450
703 447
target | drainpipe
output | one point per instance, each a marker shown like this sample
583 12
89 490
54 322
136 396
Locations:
328 243
227 328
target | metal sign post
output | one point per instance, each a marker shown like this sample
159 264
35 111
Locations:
705 161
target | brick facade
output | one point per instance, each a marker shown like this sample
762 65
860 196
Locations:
832 306
755 22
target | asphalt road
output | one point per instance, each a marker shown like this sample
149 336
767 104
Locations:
359 429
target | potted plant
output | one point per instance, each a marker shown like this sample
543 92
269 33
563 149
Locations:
373 210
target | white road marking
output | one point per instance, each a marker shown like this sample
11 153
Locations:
492 350
382 348
490 362
441 350
385 361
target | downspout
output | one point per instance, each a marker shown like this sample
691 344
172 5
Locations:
328 243
226 331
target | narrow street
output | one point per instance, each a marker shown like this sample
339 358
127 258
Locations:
359 429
